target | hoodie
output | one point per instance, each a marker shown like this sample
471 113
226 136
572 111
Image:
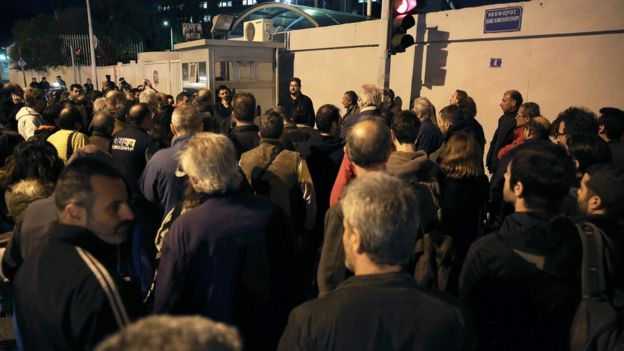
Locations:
523 283
28 120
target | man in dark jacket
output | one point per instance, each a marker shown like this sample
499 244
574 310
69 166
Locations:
229 258
368 147
159 183
429 137
369 99
245 135
512 99
132 147
380 308
67 295
611 129
303 136
102 127
601 201
522 282
295 99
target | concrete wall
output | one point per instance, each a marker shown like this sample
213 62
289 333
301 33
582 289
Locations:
134 73
568 52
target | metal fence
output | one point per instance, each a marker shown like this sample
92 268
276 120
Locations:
106 49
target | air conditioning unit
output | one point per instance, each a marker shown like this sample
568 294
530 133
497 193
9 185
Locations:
258 30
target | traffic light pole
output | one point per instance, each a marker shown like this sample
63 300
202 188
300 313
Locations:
383 76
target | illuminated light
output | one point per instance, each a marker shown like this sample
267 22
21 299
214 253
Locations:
406 6
3 57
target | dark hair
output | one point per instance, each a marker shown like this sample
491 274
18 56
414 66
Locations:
516 96
69 118
244 107
75 86
578 120
470 111
545 172
326 116
103 122
222 87
296 80
372 148
74 184
537 130
613 121
607 181
33 159
139 112
451 114
405 126
588 150
299 115
182 95
389 93
271 125
9 139
352 95
386 115
531 109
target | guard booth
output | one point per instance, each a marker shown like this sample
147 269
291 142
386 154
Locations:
242 66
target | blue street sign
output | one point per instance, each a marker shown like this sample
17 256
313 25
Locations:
22 63
507 19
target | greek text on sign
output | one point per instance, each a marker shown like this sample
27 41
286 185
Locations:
508 19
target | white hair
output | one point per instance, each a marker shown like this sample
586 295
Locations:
169 333
424 109
209 159
149 97
186 119
370 95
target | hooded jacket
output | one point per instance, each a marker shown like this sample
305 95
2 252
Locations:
523 283
22 193
28 120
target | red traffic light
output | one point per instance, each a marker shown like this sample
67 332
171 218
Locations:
404 6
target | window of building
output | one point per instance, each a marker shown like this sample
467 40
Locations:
249 2
207 18
225 4
203 5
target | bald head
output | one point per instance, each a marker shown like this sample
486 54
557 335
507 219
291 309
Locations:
103 122
369 144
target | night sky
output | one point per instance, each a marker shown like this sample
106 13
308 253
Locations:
13 10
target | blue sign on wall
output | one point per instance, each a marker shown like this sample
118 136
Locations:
496 62
508 19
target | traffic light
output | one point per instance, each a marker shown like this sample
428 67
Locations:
401 22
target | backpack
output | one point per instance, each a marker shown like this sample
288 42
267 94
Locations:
434 256
599 321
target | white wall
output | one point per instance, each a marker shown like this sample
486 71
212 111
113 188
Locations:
133 73
568 52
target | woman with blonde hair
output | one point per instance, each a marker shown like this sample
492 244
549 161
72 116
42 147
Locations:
464 194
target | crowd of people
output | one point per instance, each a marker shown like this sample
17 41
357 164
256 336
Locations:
299 229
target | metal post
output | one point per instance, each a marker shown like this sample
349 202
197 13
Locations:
383 76
71 54
92 48
23 73
369 8
171 35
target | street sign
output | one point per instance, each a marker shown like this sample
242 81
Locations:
22 63
496 62
507 19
